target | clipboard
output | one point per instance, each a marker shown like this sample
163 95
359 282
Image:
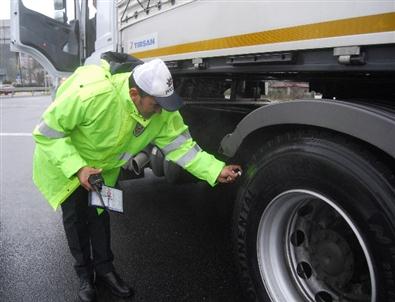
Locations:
107 198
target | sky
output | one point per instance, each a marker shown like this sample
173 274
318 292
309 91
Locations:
5 9
43 6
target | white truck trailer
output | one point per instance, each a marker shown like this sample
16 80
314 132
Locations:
301 93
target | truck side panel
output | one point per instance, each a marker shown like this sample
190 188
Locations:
211 28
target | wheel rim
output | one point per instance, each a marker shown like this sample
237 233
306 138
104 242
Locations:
325 257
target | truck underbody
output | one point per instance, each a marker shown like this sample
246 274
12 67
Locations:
232 87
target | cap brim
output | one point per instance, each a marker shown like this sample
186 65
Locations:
170 103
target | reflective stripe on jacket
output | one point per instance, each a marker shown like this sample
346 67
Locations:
92 123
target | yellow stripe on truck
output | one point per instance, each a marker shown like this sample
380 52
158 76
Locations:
353 26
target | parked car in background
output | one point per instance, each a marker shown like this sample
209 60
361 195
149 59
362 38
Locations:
6 89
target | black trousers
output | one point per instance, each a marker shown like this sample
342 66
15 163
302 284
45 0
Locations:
88 235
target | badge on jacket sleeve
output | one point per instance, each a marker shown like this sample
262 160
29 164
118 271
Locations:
138 129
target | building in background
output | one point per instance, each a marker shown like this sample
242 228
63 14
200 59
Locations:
8 61
18 68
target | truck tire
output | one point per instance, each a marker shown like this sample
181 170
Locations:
314 220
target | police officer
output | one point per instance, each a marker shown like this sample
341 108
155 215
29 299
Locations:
97 122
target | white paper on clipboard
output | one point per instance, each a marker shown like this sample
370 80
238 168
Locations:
112 199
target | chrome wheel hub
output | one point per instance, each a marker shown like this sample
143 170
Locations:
309 249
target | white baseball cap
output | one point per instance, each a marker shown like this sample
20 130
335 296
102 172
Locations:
155 79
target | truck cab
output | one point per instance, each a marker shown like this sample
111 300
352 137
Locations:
61 35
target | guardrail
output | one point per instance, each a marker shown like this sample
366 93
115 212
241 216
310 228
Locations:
32 90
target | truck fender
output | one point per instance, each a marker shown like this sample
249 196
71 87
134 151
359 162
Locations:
373 125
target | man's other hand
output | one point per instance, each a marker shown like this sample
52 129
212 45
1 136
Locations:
83 175
229 174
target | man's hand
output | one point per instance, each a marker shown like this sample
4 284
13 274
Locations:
83 175
229 174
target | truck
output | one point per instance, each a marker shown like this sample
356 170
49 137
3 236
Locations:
300 93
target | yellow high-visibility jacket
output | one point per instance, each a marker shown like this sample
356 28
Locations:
93 122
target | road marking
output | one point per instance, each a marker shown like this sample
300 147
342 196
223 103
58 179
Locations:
15 134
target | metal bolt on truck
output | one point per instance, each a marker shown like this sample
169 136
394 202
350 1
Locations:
301 93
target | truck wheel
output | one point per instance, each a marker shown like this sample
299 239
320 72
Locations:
315 221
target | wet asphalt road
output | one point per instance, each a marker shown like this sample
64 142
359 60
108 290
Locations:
172 244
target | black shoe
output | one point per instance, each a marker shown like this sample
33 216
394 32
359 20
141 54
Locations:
87 291
117 286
